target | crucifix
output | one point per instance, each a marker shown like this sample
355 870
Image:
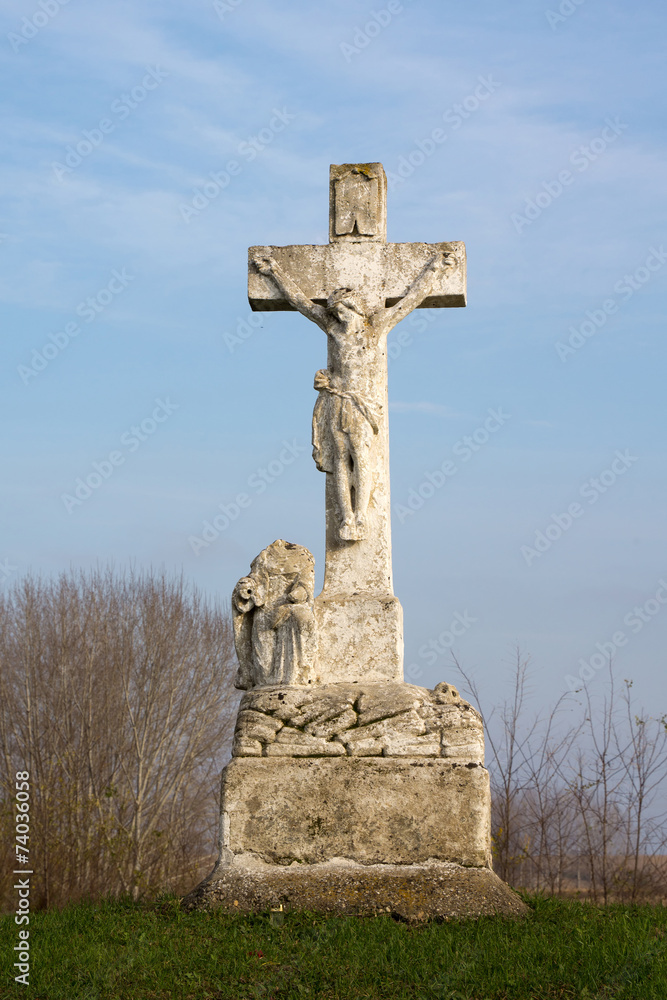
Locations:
356 289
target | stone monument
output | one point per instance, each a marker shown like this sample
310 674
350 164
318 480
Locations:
349 790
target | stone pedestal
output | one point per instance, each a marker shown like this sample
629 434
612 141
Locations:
363 809
357 798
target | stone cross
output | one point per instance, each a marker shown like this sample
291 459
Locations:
356 289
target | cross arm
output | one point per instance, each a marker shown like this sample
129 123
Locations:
291 291
436 268
386 272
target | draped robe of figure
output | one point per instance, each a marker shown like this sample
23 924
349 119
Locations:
274 624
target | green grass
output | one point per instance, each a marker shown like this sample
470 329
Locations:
125 951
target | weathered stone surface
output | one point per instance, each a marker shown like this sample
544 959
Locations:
257 726
411 746
357 203
464 754
312 748
381 701
368 719
461 735
405 723
369 810
361 636
244 747
365 748
327 730
446 694
303 744
415 893
326 707
281 701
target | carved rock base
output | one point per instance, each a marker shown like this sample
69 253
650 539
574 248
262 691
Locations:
410 892
359 720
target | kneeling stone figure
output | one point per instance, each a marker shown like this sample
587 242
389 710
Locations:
274 623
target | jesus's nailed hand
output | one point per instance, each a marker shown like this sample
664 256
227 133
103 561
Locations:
265 265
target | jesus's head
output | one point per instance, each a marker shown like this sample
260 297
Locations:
347 305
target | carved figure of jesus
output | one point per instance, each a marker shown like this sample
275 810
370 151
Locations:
346 417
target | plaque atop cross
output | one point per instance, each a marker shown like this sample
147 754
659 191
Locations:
356 289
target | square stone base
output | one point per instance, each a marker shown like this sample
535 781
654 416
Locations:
366 810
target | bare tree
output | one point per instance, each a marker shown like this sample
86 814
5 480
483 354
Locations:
579 792
116 695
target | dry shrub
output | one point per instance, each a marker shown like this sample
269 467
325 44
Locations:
579 792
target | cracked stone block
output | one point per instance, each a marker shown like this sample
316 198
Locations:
440 716
420 746
473 752
280 702
303 744
257 726
364 748
312 748
333 727
462 736
408 723
244 747
382 701
321 710
290 735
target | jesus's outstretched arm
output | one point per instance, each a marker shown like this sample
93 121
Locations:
386 319
292 292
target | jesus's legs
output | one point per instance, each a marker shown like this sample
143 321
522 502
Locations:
343 486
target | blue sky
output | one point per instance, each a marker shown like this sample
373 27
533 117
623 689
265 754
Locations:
124 232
